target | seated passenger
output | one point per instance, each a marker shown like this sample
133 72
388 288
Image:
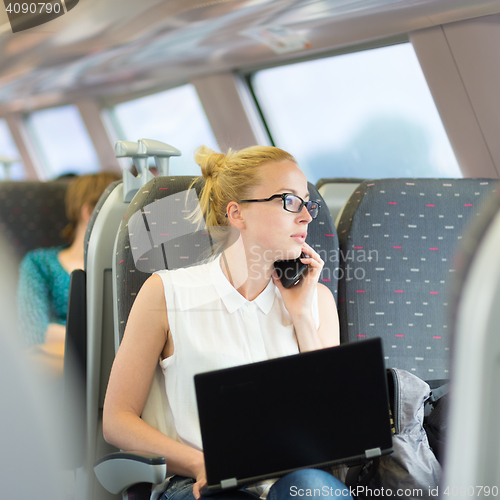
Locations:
195 320
45 273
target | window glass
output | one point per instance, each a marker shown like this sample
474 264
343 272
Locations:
9 150
63 141
367 114
175 117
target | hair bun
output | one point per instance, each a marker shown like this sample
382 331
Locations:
209 161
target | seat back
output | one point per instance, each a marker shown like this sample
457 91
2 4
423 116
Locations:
397 241
75 359
98 349
472 452
99 248
95 213
336 191
32 214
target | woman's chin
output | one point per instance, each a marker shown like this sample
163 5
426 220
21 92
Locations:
290 253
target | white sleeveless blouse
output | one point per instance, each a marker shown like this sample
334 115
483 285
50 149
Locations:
212 327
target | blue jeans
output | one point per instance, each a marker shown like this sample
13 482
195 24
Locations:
298 485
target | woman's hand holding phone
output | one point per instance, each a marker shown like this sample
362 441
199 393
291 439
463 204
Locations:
298 298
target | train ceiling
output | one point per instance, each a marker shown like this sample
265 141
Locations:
123 47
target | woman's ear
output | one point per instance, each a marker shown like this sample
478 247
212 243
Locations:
86 212
235 215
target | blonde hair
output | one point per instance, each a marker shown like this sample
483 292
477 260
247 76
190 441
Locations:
85 189
230 177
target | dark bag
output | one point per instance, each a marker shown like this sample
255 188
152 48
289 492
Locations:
435 420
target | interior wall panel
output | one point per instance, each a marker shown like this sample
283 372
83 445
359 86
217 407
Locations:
90 113
475 46
230 111
453 60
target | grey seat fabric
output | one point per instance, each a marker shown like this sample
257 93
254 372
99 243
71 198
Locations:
151 239
397 241
32 214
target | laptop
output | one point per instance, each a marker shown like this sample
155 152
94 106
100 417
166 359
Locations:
314 409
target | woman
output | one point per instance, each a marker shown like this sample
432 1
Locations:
230 311
45 272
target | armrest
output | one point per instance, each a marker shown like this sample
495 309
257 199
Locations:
75 368
118 471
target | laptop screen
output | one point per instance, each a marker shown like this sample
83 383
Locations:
311 409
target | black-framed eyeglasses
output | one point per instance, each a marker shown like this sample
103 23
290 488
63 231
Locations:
292 203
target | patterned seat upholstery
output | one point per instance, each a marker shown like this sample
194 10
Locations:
32 214
155 235
397 241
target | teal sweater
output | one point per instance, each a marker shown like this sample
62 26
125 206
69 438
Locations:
42 293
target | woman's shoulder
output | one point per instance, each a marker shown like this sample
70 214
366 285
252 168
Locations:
42 256
43 253
196 274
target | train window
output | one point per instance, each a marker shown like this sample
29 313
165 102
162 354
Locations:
63 142
9 150
366 114
174 116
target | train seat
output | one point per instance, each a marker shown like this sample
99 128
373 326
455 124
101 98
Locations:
32 214
89 339
89 336
336 191
155 235
397 241
471 452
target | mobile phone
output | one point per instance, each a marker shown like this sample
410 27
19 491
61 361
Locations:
290 271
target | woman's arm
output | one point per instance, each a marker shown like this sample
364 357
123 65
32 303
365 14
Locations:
33 301
145 339
55 334
298 301
327 335
329 328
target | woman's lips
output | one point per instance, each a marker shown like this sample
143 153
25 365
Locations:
301 237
